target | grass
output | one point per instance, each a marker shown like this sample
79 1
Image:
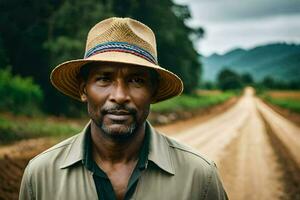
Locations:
285 99
12 129
290 104
188 103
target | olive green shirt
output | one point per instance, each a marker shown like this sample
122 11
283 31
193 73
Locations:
173 172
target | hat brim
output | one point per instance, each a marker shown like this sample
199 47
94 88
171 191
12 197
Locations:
64 76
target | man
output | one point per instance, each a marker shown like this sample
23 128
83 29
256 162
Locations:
119 155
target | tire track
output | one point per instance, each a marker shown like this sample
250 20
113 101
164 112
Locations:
286 132
250 168
288 161
249 161
214 135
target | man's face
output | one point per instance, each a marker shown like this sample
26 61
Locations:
118 97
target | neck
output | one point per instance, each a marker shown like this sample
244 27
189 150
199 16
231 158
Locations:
106 149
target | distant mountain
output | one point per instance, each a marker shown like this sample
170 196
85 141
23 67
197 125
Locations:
280 61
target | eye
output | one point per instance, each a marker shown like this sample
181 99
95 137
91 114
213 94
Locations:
137 80
103 79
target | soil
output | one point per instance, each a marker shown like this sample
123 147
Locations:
13 160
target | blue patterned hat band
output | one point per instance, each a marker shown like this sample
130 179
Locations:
120 47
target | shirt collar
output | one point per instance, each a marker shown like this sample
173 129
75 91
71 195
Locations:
159 150
76 150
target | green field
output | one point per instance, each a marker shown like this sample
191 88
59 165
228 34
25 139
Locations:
16 128
285 99
188 103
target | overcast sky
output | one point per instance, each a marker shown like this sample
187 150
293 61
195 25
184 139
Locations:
244 23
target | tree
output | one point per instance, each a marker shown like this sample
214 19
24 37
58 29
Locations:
268 82
209 85
228 80
41 35
294 85
68 27
247 79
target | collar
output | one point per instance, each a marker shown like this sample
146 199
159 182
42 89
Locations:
159 150
75 152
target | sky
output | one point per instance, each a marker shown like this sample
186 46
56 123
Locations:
230 24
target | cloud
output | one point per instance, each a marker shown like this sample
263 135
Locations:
234 23
218 11
223 37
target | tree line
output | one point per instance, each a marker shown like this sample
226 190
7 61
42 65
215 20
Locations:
228 79
35 36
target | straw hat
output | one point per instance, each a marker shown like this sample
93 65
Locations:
120 40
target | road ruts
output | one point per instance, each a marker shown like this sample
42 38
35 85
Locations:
285 136
285 131
238 141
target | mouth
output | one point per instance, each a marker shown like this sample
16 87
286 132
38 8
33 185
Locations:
119 112
119 115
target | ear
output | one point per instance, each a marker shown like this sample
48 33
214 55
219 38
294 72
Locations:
153 96
82 91
154 92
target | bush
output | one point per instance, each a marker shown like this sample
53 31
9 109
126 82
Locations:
19 95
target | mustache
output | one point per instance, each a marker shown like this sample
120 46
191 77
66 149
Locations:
118 109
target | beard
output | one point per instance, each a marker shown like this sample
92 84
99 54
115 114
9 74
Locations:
126 132
118 129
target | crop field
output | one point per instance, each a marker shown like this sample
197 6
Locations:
202 99
285 94
286 99
13 128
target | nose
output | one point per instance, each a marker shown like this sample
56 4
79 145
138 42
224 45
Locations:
119 93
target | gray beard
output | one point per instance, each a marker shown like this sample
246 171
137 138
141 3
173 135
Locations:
125 134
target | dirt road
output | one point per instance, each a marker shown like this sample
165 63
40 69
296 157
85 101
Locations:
241 142
257 151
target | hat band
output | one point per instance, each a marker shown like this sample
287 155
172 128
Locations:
120 47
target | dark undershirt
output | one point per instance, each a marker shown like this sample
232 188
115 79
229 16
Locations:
103 185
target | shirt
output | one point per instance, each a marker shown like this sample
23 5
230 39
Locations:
174 171
103 185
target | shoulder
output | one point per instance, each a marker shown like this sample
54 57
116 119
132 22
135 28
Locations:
187 160
191 166
52 157
187 152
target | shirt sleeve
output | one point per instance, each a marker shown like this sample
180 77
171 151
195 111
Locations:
26 192
215 190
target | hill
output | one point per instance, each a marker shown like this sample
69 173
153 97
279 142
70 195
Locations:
280 61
